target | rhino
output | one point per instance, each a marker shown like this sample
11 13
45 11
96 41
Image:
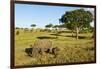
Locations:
41 47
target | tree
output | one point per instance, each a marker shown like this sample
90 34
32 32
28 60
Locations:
61 26
77 19
55 27
70 26
48 26
33 25
56 30
17 28
17 32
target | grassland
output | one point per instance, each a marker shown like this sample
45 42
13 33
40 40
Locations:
71 50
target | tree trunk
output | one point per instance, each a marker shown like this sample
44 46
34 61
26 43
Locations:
77 33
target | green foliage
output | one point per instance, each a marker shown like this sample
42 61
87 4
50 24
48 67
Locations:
55 26
86 30
33 25
17 28
48 25
17 32
77 19
62 26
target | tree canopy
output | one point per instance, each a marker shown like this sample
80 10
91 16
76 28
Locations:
33 25
77 19
49 25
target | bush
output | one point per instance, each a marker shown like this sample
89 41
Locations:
17 33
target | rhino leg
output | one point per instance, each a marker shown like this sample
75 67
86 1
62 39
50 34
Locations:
55 51
35 52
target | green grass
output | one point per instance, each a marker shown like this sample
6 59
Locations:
71 50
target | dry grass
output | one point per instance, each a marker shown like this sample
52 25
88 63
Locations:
71 50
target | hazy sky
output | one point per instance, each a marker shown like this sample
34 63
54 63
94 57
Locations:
26 14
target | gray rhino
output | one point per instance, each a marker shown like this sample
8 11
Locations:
41 47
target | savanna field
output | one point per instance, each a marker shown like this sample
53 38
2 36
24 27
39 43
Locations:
71 50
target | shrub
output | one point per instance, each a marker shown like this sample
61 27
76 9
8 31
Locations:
17 33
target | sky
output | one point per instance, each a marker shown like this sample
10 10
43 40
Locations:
41 15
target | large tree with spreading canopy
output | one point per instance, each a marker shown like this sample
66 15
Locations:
77 20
